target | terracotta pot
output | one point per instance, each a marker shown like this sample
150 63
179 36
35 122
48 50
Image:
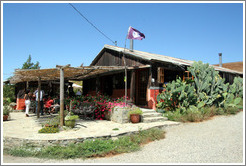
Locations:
135 118
5 117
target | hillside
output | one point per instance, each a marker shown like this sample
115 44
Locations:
238 66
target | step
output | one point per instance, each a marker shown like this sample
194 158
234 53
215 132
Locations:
148 110
154 119
151 114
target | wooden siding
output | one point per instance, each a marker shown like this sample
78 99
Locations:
114 58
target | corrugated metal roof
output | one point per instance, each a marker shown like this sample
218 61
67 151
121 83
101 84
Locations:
163 58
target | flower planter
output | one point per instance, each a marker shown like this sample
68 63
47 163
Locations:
70 123
135 118
5 117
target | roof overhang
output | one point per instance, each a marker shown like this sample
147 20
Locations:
70 73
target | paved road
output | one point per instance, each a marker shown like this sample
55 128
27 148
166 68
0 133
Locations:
219 140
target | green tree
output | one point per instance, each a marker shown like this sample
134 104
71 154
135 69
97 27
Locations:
8 93
30 65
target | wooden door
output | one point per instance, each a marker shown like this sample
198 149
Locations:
142 77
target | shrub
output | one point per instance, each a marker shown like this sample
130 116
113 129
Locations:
49 130
231 110
9 92
193 115
71 117
6 110
102 104
175 116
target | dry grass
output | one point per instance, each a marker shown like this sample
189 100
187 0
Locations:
238 66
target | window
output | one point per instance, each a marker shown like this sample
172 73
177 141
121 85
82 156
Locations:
160 75
187 75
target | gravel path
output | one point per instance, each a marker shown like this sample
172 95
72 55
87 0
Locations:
219 140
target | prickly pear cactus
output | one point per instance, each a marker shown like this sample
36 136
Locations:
237 87
177 94
208 83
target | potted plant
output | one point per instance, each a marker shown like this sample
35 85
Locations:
70 120
5 113
134 115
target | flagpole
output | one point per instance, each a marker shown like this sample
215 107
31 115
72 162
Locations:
130 35
125 79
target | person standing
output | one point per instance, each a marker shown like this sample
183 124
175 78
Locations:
41 100
78 93
27 98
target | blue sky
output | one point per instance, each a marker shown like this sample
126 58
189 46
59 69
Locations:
55 34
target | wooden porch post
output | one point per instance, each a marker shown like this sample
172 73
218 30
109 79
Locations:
39 88
61 97
62 93
133 85
27 85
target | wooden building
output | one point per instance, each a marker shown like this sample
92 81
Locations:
146 74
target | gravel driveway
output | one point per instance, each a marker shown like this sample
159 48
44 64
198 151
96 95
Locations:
219 140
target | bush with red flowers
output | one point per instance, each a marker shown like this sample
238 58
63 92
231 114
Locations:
103 104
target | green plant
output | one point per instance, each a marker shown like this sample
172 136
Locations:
229 100
175 116
237 87
29 65
8 94
231 110
208 83
6 110
177 94
71 117
90 148
6 101
49 130
135 111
